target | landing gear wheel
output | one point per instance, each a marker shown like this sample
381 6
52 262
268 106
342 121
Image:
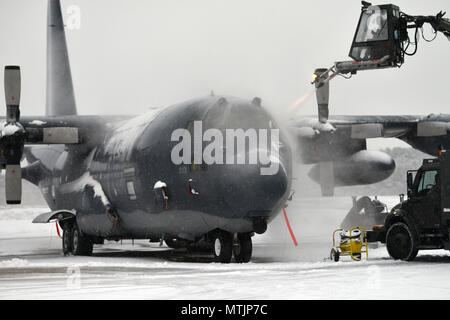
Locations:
400 242
67 240
82 245
334 255
242 250
222 247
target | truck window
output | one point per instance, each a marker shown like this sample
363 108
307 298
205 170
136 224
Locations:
373 26
427 182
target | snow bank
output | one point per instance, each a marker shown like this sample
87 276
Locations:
14 263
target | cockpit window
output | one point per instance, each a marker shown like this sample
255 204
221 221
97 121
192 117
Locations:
244 118
237 116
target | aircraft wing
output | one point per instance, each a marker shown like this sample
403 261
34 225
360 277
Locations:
66 129
389 126
47 130
338 148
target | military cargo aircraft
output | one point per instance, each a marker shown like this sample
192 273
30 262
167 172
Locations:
114 177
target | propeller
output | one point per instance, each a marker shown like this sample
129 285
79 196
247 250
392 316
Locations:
326 178
12 137
321 81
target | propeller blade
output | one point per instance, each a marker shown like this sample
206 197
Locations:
13 136
326 176
13 184
322 94
12 93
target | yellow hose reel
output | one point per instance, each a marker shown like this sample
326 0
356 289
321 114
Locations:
352 243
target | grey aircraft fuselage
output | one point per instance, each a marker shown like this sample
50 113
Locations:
109 178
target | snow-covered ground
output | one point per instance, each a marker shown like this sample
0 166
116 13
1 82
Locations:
32 266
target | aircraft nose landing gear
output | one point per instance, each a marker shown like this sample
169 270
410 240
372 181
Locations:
242 247
222 246
225 245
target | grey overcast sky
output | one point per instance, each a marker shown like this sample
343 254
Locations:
131 55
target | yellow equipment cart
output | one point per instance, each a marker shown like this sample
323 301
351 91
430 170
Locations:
352 243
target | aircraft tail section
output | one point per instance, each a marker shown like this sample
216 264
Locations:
60 93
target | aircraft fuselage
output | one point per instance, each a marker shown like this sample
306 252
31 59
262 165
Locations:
112 184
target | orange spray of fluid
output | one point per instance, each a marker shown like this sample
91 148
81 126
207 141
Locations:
289 227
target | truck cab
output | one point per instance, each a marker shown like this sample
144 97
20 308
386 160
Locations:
422 221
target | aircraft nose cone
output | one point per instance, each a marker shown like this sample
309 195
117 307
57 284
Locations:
251 192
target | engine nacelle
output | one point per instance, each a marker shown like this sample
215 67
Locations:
363 167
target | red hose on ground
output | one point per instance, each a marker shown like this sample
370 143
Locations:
57 230
289 227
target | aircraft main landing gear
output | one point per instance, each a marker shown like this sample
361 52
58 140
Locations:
74 242
242 248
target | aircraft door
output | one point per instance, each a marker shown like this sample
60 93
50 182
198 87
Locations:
425 203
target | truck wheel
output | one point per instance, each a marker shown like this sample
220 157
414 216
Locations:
82 245
243 249
400 242
222 247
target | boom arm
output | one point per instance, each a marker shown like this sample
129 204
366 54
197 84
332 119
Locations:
381 40
444 27
438 22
